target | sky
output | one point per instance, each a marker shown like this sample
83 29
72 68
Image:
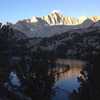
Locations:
13 10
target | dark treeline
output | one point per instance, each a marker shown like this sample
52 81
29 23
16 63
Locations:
31 68
89 80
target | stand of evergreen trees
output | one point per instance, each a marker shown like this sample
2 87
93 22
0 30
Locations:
31 67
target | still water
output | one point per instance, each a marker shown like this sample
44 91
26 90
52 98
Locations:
66 80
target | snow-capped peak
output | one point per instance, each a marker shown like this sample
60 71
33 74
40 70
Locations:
56 11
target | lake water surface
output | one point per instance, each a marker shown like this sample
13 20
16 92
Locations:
67 80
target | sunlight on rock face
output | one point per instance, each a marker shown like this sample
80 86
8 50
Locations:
34 19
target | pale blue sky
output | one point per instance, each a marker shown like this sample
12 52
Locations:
13 10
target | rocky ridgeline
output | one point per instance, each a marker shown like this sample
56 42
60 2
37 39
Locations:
67 36
54 23
56 18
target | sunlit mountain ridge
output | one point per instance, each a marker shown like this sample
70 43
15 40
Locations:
54 23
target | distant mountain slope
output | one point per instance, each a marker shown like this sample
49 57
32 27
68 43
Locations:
54 23
72 43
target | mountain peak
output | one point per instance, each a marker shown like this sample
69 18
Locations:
57 18
56 11
55 23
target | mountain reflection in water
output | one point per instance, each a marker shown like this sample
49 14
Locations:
66 80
